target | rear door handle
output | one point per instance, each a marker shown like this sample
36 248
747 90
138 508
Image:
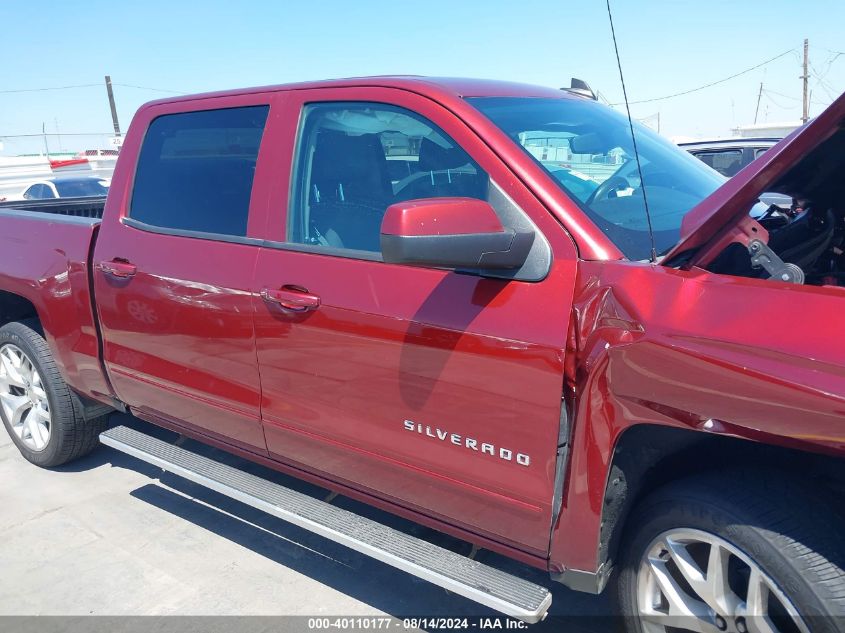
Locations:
291 298
119 269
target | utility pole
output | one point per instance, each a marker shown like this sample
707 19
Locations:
112 106
44 134
757 110
806 76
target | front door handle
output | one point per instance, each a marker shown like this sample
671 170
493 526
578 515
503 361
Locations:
291 298
119 268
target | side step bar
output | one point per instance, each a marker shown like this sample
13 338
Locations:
479 582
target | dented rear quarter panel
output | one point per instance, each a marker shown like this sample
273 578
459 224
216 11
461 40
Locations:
45 260
753 359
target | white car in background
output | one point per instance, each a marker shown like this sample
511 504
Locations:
63 187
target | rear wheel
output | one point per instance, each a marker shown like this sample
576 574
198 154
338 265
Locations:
740 554
41 414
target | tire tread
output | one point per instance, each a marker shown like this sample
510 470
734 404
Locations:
76 436
797 519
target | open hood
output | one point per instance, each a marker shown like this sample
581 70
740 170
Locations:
811 158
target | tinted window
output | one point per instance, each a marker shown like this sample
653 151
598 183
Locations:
727 162
38 192
195 170
81 188
356 159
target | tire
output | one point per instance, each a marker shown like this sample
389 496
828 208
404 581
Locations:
764 519
70 436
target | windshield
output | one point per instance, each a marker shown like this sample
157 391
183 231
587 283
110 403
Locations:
81 188
587 149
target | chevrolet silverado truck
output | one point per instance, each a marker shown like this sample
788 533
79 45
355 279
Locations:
475 305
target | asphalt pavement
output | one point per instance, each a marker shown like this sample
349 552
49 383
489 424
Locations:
112 535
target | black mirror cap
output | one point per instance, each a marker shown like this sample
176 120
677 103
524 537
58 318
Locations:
505 250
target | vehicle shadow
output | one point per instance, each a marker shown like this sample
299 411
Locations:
104 455
421 362
367 580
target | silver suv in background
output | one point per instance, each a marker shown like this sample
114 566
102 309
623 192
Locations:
729 155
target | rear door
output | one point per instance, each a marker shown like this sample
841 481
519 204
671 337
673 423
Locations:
437 391
174 267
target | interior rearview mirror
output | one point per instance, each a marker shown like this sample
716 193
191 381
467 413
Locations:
451 233
589 143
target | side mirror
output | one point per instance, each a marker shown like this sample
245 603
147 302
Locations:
451 233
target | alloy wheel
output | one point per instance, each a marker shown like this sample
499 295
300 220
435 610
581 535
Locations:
690 580
23 399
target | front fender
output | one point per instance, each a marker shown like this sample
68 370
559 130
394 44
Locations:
753 359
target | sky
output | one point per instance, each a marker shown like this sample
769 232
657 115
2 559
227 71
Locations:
154 48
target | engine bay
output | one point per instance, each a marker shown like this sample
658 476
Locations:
808 238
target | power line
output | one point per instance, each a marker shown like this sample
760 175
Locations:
714 83
837 53
175 92
5 136
830 61
769 94
825 86
51 88
45 89
780 94
821 81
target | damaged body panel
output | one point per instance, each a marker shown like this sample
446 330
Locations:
704 353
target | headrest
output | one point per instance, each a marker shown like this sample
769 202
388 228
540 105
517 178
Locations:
433 157
341 157
358 162
338 152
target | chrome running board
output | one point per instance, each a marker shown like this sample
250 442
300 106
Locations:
486 585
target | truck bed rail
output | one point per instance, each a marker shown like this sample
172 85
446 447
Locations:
90 207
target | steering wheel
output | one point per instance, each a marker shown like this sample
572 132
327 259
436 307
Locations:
614 183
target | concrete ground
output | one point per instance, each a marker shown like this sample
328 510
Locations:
112 535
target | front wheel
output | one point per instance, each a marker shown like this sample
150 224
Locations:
733 554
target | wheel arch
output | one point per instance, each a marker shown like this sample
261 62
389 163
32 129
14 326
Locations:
15 307
647 457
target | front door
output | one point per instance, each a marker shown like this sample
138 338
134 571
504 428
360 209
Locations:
435 390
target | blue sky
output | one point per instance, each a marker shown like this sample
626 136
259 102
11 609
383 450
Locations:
186 46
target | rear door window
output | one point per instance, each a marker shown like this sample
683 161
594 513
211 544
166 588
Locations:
195 170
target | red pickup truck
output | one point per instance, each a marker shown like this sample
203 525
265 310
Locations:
446 298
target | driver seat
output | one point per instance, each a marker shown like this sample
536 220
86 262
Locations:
349 190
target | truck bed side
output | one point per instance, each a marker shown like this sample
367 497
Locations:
44 272
86 207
